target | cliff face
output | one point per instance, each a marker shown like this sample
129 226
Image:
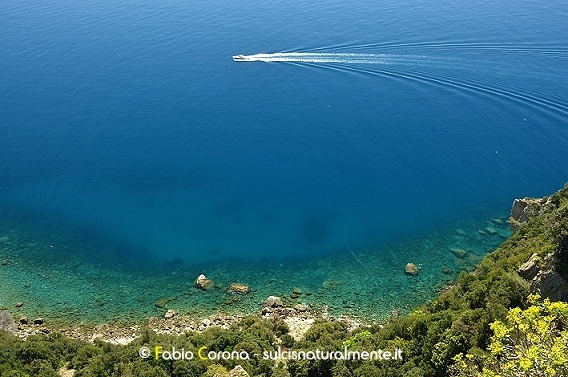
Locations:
545 222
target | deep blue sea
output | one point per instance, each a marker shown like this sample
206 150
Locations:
128 131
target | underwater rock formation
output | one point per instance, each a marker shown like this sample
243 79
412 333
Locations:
239 288
411 269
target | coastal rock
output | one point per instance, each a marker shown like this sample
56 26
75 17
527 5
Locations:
273 301
239 288
550 284
238 371
4 262
23 320
518 212
7 322
548 279
301 308
38 321
169 314
411 269
202 282
530 268
19 304
525 208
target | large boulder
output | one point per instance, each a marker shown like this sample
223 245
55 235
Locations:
550 284
273 302
546 278
530 268
7 322
202 282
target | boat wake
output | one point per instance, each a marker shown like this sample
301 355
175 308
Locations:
334 57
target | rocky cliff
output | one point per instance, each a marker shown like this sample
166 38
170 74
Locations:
543 224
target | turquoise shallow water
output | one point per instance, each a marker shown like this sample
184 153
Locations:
79 283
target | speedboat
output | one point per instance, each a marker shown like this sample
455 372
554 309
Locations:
241 58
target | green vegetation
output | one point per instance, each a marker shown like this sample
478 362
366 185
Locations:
531 342
485 316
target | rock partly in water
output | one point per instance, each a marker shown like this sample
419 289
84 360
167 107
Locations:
301 308
411 269
202 282
273 302
169 314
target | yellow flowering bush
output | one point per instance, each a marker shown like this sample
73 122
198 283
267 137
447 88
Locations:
531 343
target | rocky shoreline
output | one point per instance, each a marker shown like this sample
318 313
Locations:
299 319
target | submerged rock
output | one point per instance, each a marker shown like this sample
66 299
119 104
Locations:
239 288
490 230
296 292
162 302
202 282
446 270
411 269
458 252
328 284
461 232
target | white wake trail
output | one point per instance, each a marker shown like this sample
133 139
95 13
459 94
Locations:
327 57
